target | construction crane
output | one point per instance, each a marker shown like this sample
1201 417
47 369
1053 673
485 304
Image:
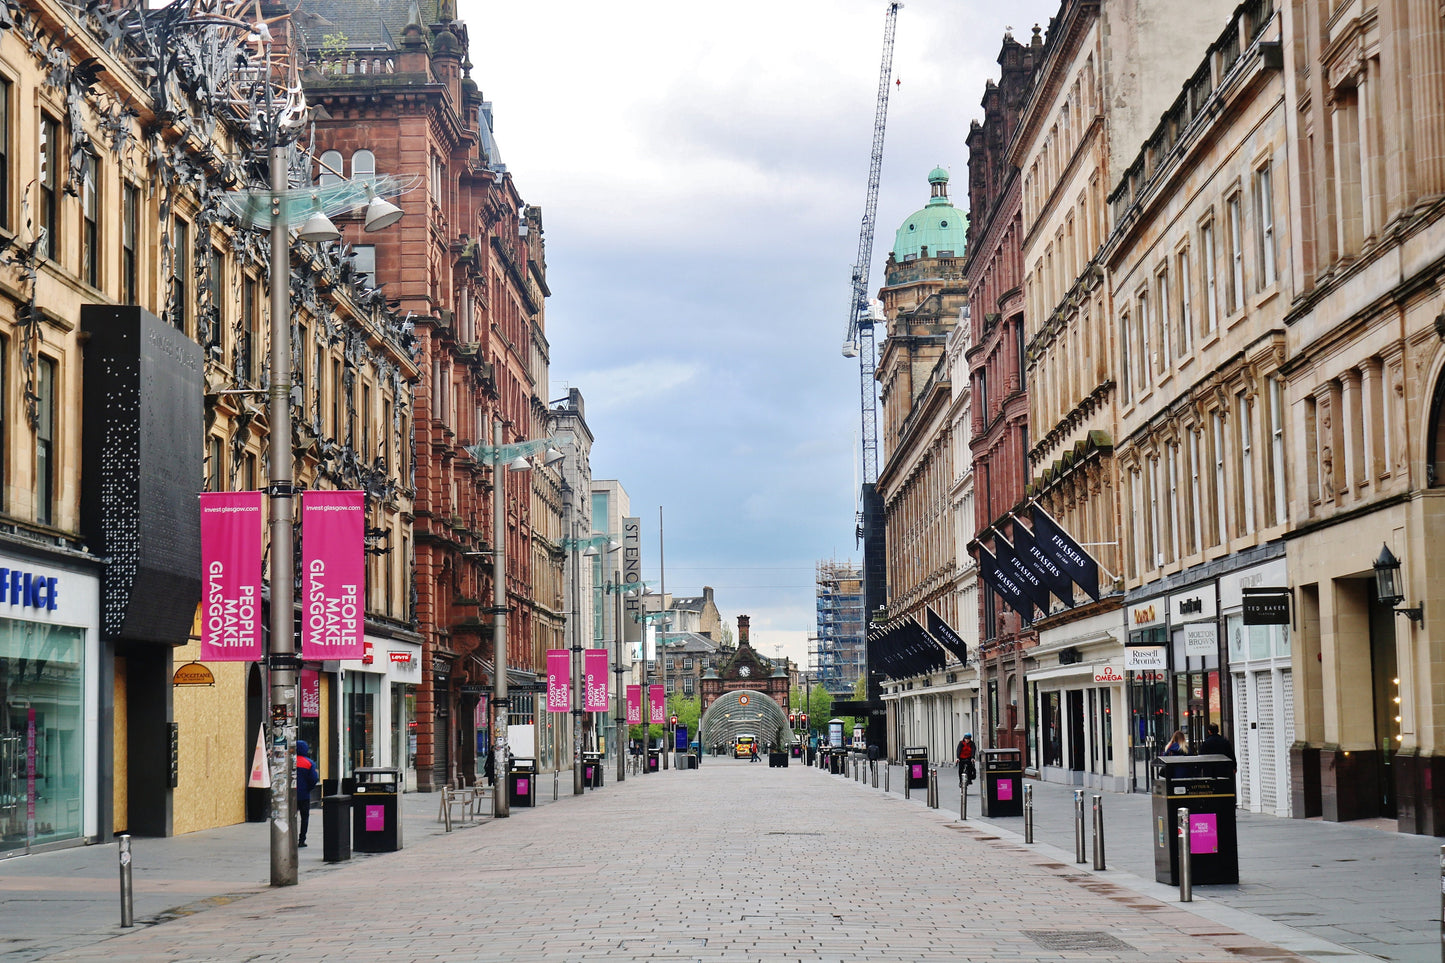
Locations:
860 342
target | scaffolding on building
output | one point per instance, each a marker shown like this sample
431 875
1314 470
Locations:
838 660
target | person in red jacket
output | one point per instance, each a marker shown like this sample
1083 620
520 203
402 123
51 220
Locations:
966 751
305 783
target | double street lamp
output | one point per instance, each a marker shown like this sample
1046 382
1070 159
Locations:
275 209
617 589
663 620
516 458
587 547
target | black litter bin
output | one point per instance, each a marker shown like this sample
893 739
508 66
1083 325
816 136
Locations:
915 767
335 827
1003 782
654 760
592 770
837 761
376 810
1205 786
522 782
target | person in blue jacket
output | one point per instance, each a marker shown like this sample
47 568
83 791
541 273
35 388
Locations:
305 782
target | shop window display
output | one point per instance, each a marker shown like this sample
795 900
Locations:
41 734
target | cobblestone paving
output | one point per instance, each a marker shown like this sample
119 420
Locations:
734 861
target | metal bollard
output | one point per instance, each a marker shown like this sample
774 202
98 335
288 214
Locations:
555 774
933 788
1028 813
1186 887
887 772
1079 855
963 801
873 765
907 783
127 893
1098 832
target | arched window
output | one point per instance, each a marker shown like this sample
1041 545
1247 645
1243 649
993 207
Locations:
363 164
331 168
1435 441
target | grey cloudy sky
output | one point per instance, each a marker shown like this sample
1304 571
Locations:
701 170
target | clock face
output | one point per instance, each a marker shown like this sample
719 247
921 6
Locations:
745 671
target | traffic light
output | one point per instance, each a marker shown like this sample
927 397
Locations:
804 724
792 720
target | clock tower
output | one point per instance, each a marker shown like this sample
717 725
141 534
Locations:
745 670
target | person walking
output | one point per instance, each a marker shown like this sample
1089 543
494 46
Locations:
967 771
1214 743
305 783
1178 744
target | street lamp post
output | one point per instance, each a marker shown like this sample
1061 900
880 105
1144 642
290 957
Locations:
503 458
619 697
282 662
662 653
589 549
659 645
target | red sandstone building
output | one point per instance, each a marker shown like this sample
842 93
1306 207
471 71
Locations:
994 272
393 94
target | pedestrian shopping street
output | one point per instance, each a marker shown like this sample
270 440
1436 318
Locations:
732 861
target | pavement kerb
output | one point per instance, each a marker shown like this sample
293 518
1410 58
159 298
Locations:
1266 930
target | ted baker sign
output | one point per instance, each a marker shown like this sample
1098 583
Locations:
333 573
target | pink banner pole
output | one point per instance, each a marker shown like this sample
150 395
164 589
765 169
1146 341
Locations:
333 575
595 662
634 705
559 677
231 569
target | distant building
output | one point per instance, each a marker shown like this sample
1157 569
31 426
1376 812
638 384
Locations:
839 658
701 612
689 655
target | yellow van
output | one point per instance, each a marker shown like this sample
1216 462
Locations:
743 748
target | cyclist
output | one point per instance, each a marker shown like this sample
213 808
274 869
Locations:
966 751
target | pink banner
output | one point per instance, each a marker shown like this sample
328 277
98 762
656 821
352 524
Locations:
634 705
333 575
559 677
656 704
231 562
594 666
310 694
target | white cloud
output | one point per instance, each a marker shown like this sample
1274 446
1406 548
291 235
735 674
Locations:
701 170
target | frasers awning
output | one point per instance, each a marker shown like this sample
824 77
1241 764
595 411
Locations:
944 633
901 648
1065 553
1005 585
1031 563
1055 579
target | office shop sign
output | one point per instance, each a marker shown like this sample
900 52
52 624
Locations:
35 591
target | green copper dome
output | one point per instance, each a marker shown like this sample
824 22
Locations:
940 227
